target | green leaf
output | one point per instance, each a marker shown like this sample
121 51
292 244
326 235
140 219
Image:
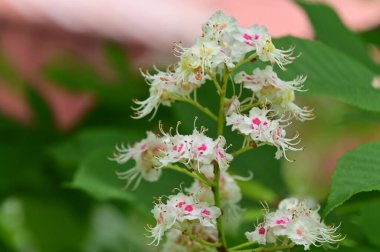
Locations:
257 191
370 222
125 231
372 36
332 73
96 175
119 62
72 151
53 224
357 171
331 31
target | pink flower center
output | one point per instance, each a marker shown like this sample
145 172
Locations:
180 204
281 222
189 208
206 212
247 36
256 121
262 231
299 232
180 147
203 147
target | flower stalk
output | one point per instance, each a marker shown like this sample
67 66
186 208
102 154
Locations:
192 220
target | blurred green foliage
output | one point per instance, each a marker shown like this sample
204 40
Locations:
42 168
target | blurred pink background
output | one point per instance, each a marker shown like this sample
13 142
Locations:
34 31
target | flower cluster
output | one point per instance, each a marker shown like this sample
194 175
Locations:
261 127
192 220
223 44
297 220
230 193
195 151
181 212
268 88
145 154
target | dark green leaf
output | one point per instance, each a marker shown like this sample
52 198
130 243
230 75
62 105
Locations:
53 225
332 73
357 171
96 175
370 222
72 151
330 30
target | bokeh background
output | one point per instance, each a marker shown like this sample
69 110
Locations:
68 74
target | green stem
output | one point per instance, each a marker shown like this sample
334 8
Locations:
249 106
269 249
242 150
243 61
199 106
215 187
192 174
243 245
221 116
216 192
215 81
203 242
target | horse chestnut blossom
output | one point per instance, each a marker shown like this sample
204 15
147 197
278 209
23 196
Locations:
261 127
257 38
193 219
181 211
203 57
230 193
165 88
267 87
144 153
296 220
196 150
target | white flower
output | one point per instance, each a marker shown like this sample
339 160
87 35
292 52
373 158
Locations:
262 128
282 101
297 221
283 144
230 194
144 154
203 57
249 39
196 150
164 88
268 88
257 38
221 156
178 209
262 234
232 106
267 78
268 52
218 26
257 124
